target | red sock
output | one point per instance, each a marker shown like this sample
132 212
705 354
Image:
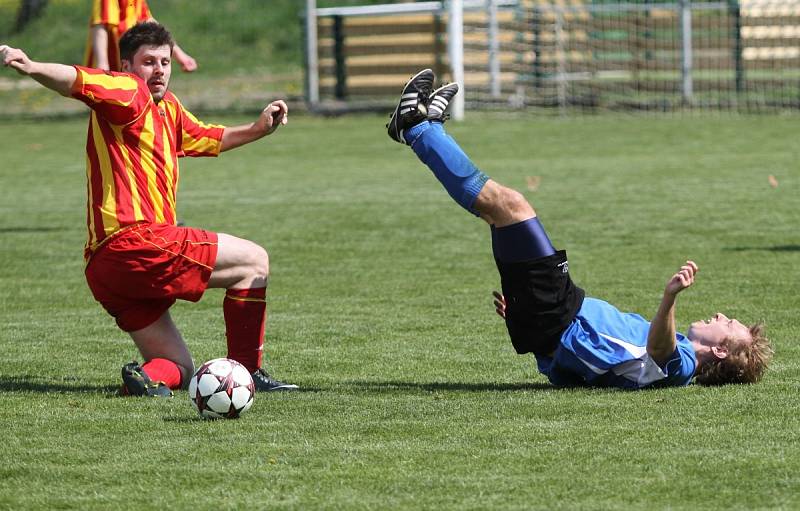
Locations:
161 369
245 313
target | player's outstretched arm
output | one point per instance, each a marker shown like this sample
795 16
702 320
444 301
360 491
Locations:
186 61
57 77
661 340
274 115
99 38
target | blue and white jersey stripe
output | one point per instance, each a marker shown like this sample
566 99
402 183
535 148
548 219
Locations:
607 348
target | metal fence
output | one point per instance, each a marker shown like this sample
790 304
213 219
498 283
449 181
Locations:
567 57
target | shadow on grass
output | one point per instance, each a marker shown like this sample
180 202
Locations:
774 248
394 386
26 383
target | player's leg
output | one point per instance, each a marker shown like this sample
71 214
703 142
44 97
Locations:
242 268
540 297
517 234
139 274
136 276
240 264
418 121
167 358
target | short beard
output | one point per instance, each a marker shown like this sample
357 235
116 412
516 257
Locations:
159 97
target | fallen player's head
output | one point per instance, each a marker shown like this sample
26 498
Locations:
728 351
146 51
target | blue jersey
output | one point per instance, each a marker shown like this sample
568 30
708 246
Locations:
604 347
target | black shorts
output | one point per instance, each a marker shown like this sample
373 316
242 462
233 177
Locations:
541 301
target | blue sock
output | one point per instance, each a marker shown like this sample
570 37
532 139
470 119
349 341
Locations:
521 242
436 149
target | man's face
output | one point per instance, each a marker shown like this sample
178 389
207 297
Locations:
153 64
712 332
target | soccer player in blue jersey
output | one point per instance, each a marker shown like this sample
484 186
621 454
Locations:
577 340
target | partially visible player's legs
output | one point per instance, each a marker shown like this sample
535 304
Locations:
242 268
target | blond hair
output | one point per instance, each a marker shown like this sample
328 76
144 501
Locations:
746 362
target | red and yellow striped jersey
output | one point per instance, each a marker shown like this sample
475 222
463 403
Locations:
118 16
132 151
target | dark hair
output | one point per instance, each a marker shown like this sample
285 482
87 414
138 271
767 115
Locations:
149 33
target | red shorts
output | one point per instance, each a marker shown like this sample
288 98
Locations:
139 273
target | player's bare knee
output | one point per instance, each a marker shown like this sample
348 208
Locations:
504 205
259 262
489 198
516 204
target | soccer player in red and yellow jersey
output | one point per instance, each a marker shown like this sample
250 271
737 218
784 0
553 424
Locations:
138 261
109 20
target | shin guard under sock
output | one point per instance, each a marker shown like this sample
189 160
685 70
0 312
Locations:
451 166
245 312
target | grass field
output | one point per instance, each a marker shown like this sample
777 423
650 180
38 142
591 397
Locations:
380 309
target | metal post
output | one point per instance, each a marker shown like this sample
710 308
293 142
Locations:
455 42
338 57
312 58
439 50
738 59
561 64
686 51
494 49
536 31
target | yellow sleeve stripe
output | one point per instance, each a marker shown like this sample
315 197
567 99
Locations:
125 86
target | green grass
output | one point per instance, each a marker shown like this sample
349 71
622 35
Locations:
380 309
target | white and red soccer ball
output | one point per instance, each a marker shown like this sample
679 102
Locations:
221 388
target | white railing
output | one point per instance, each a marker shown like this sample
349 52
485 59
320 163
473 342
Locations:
454 9
729 64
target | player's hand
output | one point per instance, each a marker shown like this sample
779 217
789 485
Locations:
16 59
275 115
499 304
683 279
188 64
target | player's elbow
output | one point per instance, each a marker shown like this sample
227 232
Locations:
660 354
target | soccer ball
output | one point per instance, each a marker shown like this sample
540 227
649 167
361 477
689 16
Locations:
221 388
